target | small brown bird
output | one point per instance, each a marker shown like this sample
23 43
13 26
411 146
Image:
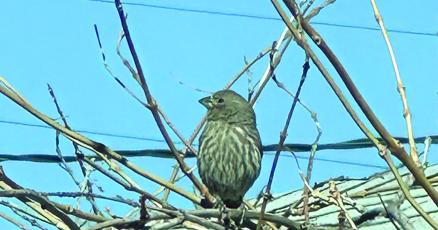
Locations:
230 150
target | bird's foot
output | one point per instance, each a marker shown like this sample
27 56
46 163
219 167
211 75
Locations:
224 214
242 215
225 218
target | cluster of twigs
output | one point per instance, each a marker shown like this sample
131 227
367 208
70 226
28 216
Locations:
158 213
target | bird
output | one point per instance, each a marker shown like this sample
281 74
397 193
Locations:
230 148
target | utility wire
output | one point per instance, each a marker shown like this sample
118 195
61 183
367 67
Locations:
250 16
296 147
51 158
20 123
162 153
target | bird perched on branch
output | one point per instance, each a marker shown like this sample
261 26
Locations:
230 150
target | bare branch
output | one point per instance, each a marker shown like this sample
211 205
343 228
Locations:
78 153
154 107
395 147
400 86
283 136
13 221
92 145
44 202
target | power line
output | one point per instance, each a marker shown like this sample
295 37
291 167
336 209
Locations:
261 17
47 158
352 144
338 161
296 147
51 158
87 132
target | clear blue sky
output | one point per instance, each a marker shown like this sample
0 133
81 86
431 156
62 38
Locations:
54 42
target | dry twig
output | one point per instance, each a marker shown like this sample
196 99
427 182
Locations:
283 136
400 86
154 107
395 148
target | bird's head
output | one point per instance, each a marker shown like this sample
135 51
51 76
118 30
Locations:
229 106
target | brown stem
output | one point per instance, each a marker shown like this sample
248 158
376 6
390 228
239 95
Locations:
79 155
88 143
26 195
154 107
394 146
400 87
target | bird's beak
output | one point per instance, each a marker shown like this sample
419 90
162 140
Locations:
206 101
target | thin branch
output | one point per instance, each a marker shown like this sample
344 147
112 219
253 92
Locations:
79 213
405 189
127 186
303 43
26 215
315 11
79 155
44 202
13 221
63 221
395 147
172 179
200 217
151 101
136 77
337 199
400 86
247 66
283 136
427 143
118 198
313 149
63 163
306 191
318 40
276 54
124 60
308 5
388 214
90 144
7 184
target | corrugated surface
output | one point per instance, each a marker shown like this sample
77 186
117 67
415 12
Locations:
360 197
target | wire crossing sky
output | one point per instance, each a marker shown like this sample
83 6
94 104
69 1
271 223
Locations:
223 13
204 44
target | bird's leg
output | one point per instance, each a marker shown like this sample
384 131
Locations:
241 221
223 212
242 216
224 217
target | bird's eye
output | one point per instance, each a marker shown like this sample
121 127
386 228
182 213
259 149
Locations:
220 100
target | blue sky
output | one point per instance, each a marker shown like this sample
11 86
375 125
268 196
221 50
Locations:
54 42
